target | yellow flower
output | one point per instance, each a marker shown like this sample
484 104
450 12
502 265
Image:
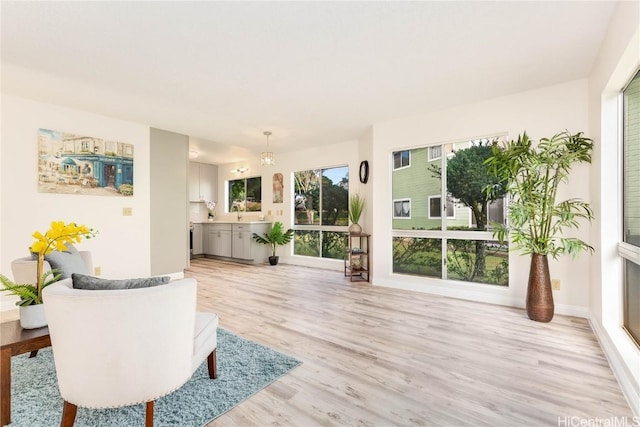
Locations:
57 237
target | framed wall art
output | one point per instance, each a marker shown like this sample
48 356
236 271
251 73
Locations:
75 164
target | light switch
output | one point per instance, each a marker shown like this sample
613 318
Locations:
127 211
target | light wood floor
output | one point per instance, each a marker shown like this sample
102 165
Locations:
382 357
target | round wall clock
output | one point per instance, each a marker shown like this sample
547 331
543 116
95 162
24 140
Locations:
364 171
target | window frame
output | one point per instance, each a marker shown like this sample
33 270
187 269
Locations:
319 228
408 165
402 200
228 190
626 251
449 203
430 149
447 232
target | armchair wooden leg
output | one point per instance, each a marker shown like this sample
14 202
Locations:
68 414
149 417
212 363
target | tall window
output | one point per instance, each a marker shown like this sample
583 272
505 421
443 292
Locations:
629 249
321 204
453 241
245 195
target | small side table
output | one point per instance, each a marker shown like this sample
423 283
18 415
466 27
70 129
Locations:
13 341
357 263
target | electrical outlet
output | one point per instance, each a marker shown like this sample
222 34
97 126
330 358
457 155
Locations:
127 211
555 284
97 271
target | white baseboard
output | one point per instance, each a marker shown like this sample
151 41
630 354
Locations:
572 310
630 388
487 294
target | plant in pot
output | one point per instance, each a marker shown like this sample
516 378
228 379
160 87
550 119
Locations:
356 206
56 238
537 222
275 237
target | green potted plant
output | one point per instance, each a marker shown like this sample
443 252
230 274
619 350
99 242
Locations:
537 221
275 237
356 206
56 238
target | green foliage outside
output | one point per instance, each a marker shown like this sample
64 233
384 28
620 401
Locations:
245 194
335 202
334 244
417 256
468 177
306 243
422 257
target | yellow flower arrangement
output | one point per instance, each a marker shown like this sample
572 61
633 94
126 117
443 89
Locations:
56 238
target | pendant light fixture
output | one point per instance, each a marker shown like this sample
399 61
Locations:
266 158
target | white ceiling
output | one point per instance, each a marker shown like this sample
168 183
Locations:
312 73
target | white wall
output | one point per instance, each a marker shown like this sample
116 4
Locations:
330 155
542 113
168 224
122 246
618 60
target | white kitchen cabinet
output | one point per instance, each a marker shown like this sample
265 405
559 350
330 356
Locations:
203 182
218 240
234 240
198 240
243 245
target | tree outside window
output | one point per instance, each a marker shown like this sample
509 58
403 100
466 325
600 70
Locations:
321 206
476 258
245 194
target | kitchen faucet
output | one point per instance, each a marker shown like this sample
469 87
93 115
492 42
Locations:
237 206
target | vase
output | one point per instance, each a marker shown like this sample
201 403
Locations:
355 229
32 316
273 260
539 295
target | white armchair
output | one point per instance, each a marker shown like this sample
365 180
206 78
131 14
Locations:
24 270
123 347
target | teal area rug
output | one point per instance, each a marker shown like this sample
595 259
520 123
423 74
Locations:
244 368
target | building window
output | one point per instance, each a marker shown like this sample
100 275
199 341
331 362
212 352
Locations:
401 159
458 245
435 208
321 212
402 209
435 153
245 195
630 245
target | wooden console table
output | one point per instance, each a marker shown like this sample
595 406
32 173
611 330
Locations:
13 341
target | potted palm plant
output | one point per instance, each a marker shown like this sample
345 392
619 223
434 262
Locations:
537 221
275 237
356 206
56 238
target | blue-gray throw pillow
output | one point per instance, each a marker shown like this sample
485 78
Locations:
67 262
82 281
